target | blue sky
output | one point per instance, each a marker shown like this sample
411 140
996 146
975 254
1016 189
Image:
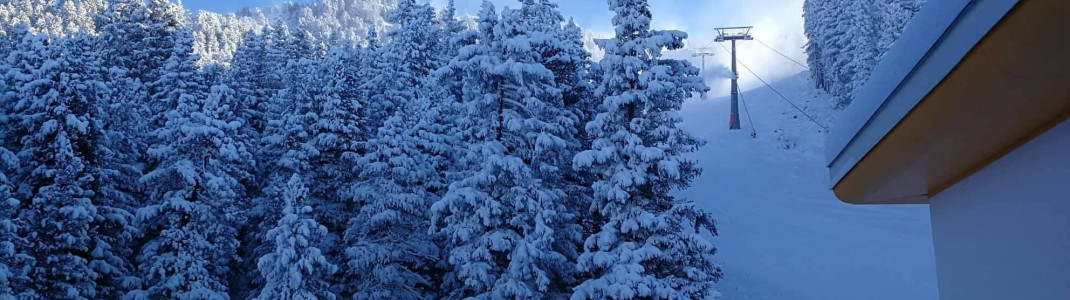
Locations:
778 23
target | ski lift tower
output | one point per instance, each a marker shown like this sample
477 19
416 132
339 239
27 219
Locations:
703 52
734 34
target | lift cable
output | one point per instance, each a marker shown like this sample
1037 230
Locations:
812 119
753 131
782 54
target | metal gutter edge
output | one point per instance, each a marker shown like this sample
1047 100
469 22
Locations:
900 92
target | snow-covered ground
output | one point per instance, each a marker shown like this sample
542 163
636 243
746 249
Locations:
783 234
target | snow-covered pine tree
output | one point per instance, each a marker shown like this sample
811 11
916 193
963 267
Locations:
189 221
164 21
891 23
296 269
307 46
285 149
405 170
56 111
336 137
560 50
560 47
256 85
452 30
385 87
179 75
21 54
14 265
359 68
646 243
248 76
415 42
500 220
815 15
860 51
571 69
279 41
288 114
112 164
124 39
10 36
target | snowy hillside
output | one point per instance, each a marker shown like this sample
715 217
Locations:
783 234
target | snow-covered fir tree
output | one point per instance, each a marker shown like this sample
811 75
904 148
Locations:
646 243
452 29
111 163
179 75
500 220
195 196
415 42
56 110
21 54
296 269
14 265
337 138
383 86
405 170
249 76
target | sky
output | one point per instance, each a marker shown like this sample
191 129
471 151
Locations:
777 23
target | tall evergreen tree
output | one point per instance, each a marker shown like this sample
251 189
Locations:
452 30
249 77
14 265
646 243
414 43
111 162
500 220
848 38
296 269
124 39
256 85
195 195
162 25
21 54
336 137
386 87
403 173
56 111
179 76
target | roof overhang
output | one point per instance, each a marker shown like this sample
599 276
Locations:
968 82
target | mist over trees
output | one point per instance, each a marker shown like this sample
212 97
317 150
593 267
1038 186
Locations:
353 149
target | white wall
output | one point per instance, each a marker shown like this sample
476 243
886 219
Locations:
1004 232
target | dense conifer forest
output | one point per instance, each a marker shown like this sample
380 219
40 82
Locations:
344 150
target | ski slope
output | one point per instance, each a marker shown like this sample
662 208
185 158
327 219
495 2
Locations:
783 234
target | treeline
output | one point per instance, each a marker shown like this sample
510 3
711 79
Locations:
849 37
437 161
215 36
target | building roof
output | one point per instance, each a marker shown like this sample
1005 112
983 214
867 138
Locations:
920 95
